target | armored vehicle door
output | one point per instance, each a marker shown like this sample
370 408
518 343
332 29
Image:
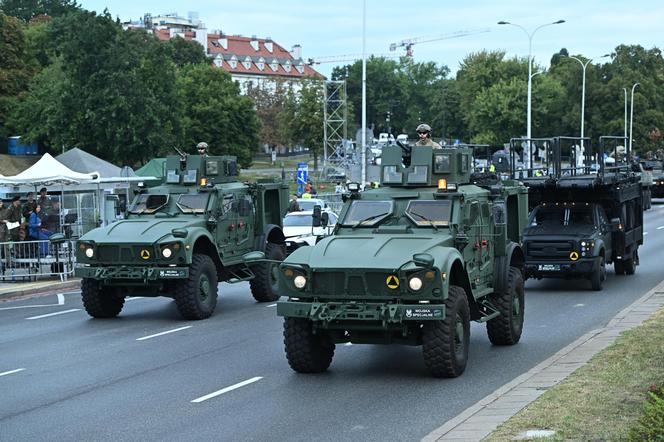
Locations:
486 244
472 253
235 223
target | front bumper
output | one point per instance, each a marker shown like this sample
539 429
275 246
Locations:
327 312
561 269
134 274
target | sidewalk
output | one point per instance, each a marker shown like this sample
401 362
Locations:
485 416
9 290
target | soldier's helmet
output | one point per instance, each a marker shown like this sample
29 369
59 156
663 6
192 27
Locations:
423 128
202 145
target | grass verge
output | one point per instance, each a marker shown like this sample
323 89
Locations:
603 399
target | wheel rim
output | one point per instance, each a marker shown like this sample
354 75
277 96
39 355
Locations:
458 335
516 306
204 287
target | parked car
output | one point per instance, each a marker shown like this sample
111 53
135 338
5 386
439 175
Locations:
307 204
299 232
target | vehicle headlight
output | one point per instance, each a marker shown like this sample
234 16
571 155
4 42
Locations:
583 243
300 281
166 252
89 252
415 283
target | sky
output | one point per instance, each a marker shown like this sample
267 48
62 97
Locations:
333 29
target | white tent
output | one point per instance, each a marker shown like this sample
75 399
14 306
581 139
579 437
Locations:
48 171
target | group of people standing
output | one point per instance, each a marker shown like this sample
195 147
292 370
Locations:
31 220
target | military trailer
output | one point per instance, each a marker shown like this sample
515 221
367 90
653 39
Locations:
183 237
411 262
583 217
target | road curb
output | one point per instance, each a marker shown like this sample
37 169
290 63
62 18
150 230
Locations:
482 418
38 288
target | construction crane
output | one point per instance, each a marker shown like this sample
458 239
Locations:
409 42
347 57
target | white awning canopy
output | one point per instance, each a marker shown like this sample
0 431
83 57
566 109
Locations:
49 171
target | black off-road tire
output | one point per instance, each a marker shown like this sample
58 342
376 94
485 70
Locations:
196 297
630 264
598 277
506 329
100 302
445 343
264 285
306 352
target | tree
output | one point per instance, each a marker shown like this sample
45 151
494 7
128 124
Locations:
16 69
302 118
213 110
110 92
269 99
27 9
184 52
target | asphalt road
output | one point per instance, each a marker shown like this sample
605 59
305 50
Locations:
148 375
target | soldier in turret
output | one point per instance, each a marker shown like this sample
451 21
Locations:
202 148
424 133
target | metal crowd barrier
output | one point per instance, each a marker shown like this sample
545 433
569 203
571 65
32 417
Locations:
32 260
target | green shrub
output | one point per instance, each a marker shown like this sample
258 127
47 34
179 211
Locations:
650 426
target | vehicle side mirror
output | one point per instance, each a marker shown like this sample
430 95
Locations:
324 219
316 218
423 260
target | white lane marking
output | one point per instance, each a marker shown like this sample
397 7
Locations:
11 371
61 301
660 227
348 344
54 314
226 390
272 305
645 233
163 333
133 298
580 305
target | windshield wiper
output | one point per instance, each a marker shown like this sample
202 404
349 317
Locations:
424 218
369 218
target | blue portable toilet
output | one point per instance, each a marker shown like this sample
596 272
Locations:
14 147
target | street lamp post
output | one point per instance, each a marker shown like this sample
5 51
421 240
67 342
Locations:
631 117
625 125
364 93
530 78
583 89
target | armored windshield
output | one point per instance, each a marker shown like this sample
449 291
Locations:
193 202
148 203
367 213
430 213
562 216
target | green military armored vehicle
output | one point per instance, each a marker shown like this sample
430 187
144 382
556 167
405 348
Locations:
411 262
181 238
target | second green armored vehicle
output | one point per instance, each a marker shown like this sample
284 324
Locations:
411 262
182 238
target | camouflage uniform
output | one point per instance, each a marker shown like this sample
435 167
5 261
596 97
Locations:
429 142
4 213
14 216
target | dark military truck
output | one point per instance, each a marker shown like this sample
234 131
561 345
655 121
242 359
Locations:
411 262
656 168
183 237
583 217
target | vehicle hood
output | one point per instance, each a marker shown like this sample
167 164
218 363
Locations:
370 251
143 230
581 231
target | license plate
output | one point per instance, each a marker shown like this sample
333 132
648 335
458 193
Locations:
548 267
